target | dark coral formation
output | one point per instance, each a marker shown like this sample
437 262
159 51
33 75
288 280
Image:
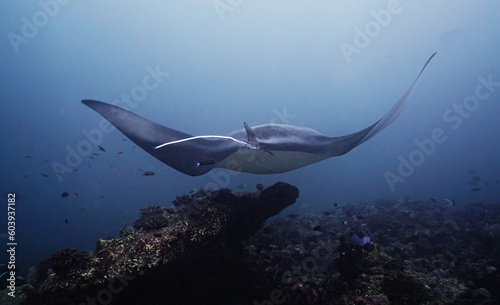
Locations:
194 244
211 248
66 260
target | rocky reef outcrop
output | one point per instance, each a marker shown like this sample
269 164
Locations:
217 248
189 253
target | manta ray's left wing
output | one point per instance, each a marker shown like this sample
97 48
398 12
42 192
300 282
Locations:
194 157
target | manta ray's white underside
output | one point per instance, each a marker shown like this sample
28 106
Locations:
257 161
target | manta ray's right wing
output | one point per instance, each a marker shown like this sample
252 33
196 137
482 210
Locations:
343 144
189 157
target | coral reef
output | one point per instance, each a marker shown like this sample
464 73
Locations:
420 253
195 243
217 248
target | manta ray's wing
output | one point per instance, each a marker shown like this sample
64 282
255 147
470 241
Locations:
341 145
194 157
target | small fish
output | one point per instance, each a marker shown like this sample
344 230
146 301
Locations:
475 178
45 175
335 204
84 208
76 169
119 153
448 202
25 176
76 194
64 194
476 189
474 183
66 220
104 196
241 186
207 161
27 157
433 200
58 173
45 161
260 186
317 228
117 157
148 173
91 157
95 154
139 169
124 140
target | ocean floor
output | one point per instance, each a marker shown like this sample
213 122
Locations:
221 248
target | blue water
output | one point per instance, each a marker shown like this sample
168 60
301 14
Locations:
334 67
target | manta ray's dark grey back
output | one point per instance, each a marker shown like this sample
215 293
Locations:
264 149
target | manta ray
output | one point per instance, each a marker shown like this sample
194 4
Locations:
263 149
